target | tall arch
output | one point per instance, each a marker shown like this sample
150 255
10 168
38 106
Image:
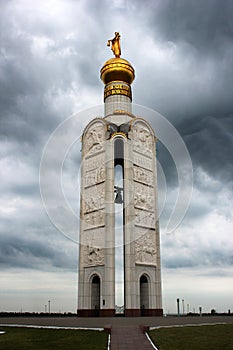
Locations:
95 294
119 223
144 294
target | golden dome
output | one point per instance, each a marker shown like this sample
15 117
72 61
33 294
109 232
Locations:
117 69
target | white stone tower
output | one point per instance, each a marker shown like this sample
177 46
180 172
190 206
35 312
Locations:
119 138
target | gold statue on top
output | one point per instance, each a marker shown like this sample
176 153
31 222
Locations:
116 46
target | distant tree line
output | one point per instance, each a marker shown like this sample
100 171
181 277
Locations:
37 314
213 312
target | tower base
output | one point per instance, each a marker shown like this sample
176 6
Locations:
111 313
143 312
96 313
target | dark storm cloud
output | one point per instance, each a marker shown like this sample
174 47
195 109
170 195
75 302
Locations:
195 250
198 258
36 67
209 141
205 25
196 94
26 246
203 31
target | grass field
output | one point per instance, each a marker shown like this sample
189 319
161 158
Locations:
216 337
17 338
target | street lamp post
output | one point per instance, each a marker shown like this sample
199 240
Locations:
178 306
49 306
200 311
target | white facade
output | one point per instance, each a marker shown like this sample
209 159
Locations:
142 272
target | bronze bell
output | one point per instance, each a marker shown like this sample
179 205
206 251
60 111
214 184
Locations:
118 199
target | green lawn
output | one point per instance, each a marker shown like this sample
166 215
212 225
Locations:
17 338
216 337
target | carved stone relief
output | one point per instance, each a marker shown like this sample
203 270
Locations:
142 161
93 243
93 195
144 197
94 176
94 198
93 256
143 175
145 251
90 178
93 237
144 218
94 138
143 139
94 163
94 219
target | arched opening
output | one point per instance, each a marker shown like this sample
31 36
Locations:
95 295
119 226
144 294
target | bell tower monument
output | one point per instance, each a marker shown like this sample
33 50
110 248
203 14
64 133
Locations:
119 138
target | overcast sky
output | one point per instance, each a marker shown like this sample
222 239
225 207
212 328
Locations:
51 53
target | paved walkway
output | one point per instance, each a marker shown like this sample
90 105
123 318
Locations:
130 338
118 321
126 333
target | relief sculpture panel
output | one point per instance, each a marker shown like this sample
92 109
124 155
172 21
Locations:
94 176
94 198
94 138
143 175
94 256
143 139
144 197
93 163
94 219
144 218
143 161
93 194
93 251
145 247
94 170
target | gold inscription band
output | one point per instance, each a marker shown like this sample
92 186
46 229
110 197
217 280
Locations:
117 89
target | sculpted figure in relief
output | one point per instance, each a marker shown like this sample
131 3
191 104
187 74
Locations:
93 198
92 203
93 251
95 218
145 218
94 177
145 251
100 174
143 175
142 138
89 204
94 138
90 178
94 256
143 197
142 161
94 163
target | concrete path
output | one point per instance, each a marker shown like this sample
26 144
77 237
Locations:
130 338
126 333
119 321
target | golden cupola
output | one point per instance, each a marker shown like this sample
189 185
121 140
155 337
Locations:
117 69
117 73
